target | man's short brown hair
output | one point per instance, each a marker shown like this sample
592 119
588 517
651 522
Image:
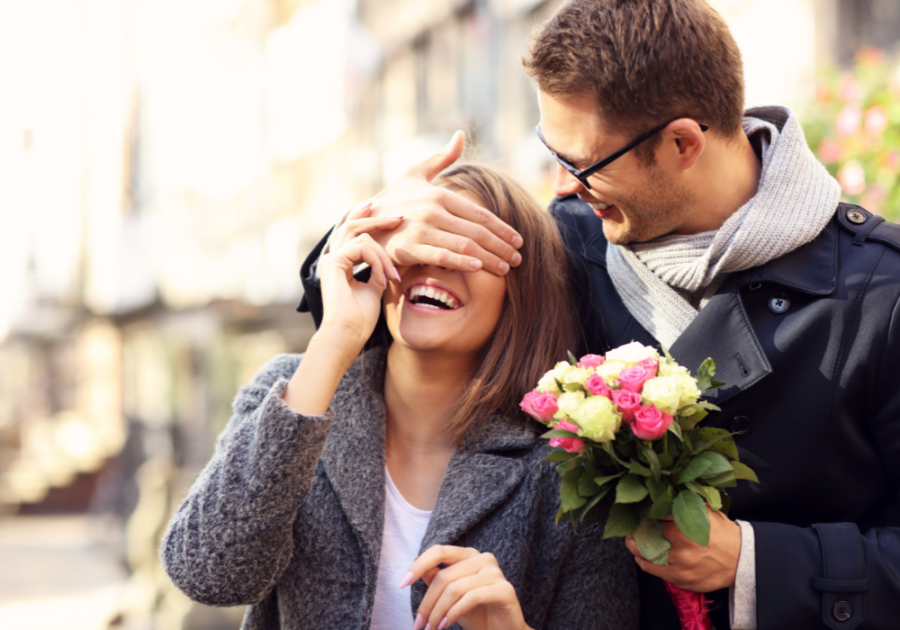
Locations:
645 61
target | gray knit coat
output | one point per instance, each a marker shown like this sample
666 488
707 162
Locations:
288 516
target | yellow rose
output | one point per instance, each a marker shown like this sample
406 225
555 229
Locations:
687 386
574 376
664 393
610 371
632 353
670 368
547 383
598 418
567 403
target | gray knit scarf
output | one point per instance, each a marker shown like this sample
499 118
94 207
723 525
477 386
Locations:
666 281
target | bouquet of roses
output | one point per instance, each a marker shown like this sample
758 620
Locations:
629 448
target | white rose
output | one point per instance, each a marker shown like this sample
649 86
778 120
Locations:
664 393
670 368
547 383
632 353
687 386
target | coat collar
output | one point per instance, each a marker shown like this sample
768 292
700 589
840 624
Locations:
480 476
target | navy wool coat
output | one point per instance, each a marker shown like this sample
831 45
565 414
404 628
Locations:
809 348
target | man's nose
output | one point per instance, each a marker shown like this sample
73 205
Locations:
565 183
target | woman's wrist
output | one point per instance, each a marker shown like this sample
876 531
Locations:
339 339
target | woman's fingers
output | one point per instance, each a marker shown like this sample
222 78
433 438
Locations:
363 248
435 556
459 594
498 593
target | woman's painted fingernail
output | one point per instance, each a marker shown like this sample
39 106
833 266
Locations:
428 626
397 275
418 624
444 623
384 275
407 579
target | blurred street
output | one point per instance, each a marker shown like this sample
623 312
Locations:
58 572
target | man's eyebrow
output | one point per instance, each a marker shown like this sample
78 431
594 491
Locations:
571 160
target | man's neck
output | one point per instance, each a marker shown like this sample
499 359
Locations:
726 178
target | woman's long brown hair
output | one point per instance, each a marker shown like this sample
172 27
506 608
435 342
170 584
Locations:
537 325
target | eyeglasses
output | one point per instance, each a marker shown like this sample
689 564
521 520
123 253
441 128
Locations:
582 174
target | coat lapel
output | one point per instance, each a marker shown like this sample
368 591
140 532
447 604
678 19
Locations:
353 457
479 478
723 332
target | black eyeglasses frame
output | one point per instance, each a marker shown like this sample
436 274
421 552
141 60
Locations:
582 175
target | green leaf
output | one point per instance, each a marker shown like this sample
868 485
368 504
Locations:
560 456
608 447
662 506
696 467
653 460
691 518
603 480
726 502
666 352
705 376
651 541
709 493
568 491
594 501
572 359
573 387
675 428
727 447
725 480
665 461
586 485
638 468
558 433
717 464
623 520
631 489
743 471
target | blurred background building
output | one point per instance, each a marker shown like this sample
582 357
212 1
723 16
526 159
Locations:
164 168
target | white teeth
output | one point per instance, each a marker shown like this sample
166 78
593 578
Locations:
601 206
434 294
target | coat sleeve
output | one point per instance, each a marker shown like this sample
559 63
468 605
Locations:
231 538
814 577
312 290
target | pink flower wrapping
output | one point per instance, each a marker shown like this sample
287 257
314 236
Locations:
650 423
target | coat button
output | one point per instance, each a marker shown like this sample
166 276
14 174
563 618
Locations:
740 425
856 217
842 611
779 303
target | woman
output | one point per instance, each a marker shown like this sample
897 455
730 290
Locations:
335 471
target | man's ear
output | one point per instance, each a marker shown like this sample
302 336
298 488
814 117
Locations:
683 142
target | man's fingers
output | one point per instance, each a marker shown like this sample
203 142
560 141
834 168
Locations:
430 168
461 207
485 245
419 254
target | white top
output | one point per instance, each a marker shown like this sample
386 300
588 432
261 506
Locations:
404 529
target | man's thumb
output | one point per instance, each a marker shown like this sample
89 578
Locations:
430 168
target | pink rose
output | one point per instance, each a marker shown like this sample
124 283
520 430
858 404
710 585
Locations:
572 445
627 402
591 360
650 423
650 364
539 405
633 379
597 386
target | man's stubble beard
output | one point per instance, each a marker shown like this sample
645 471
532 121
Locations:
659 209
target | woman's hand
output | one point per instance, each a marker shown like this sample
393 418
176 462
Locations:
351 308
471 590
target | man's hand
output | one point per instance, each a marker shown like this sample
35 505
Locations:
440 227
695 567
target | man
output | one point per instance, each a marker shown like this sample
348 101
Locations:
719 235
